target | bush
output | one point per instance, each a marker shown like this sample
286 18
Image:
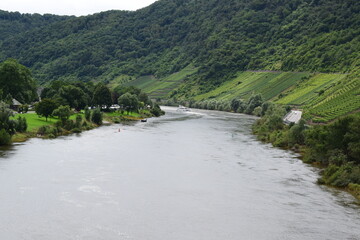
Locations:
156 111
42 130
21 125
5 137
78 121
87 113
69 125
96 116
355 189
76 130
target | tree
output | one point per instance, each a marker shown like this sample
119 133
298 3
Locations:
129 102
254 101
73 96
45 108
63 113
102 96
16 80
143 97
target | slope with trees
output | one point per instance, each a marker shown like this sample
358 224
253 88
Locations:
219 37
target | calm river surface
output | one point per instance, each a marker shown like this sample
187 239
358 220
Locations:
184 176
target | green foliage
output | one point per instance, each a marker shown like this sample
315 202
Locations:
87 113
46 107
254 102
12 23
75 94
21 124
6 122
102 96
219 37
269 84
63 113
129 102
96 116
5 137
156 111
296 133
342 136
79 120
16 80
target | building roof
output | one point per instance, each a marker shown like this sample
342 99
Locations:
293 117
15 102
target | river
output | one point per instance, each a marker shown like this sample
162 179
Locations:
184 176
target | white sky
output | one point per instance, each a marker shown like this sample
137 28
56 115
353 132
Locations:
71 7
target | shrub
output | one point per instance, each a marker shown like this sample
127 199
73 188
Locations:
69 125
87 113
21 125
42 130
5 137
76 130
96 116
78 121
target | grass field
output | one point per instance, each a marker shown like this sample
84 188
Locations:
34 121
117 114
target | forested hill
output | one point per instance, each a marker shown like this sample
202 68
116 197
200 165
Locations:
12 23
219 37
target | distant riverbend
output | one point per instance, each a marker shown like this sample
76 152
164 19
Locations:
184 176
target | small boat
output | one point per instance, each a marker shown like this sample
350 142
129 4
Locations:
143 120
183 109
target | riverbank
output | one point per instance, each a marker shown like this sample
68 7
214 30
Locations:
333 147
52 127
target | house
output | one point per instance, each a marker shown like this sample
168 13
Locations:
294 116
15 105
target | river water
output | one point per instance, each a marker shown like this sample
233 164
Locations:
184 176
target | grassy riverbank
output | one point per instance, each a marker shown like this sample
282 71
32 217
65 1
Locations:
52 127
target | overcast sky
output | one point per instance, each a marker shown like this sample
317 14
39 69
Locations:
71 7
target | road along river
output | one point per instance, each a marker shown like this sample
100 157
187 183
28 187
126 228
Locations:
185 176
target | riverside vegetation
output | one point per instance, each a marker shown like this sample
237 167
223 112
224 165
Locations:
256 57
64 105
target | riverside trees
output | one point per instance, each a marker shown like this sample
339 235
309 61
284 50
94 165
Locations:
8 125
16 82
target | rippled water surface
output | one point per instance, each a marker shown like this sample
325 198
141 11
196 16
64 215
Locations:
184 176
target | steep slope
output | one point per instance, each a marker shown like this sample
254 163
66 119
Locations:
220 38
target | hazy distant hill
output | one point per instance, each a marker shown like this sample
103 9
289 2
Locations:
217 37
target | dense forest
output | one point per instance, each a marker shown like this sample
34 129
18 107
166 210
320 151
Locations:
12 23
219 38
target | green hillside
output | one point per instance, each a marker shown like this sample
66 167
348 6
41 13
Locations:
161 87
220 38
12 23
323 97
196 50
269 84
